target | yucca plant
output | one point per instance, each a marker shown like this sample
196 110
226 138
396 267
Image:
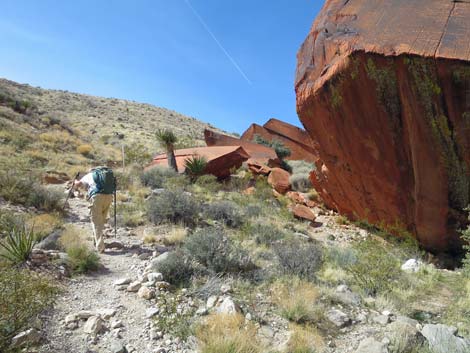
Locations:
167 139
195 166
18 244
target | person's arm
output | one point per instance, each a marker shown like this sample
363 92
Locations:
84 182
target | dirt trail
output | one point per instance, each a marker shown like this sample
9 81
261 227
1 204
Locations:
96 291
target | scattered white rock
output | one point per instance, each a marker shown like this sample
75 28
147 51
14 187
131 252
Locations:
116 324
154 277
338 318
211 301
85 314
27 337
122 281
370 345
225 288
151 312
106 313
443 339
134 286
94 325
412 265
228 306
146 293
71 318
381 319
117 347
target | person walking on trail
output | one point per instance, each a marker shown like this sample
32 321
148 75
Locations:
101 184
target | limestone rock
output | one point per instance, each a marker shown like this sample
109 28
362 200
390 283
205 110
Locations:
94 325
122 281
338 318
443 339
412 265
28 337
388 110
106 313
146 293
228 306
370 345
134 286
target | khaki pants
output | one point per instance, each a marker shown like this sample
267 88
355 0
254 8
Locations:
100 204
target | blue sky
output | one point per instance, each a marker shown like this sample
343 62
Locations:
226 62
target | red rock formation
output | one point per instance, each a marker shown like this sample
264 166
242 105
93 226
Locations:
258 153
298 141
383 87
303 212
279 180
220 159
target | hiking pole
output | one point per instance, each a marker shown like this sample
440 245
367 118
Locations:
70 191
115 208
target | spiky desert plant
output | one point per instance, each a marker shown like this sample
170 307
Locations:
167 140
195 166
18 244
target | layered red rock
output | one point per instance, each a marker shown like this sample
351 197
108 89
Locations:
298 141
384 89
258 153
220 159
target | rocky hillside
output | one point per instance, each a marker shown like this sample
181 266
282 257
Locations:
105 119
383 88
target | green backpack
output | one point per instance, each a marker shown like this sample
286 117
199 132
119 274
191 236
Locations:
105 181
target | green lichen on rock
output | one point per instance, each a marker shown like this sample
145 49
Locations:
386 86
461 75
429 93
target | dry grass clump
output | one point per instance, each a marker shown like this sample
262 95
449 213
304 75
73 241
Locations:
304 339
296 300
175 236
45 224
81 258
227 334
84 149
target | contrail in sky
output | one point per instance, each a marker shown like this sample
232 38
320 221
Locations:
206 27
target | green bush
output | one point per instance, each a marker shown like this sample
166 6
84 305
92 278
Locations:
18 244
375 270
209 182
300 178
265 234
211 248
156 177
8 221
81 259
297 258
177 268
22 188
23 296
174 207
137 153
465 235
281 150
226 212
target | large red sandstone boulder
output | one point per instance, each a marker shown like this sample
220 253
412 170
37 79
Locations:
303 212
279 180
383 89
220 160
259 153
298 141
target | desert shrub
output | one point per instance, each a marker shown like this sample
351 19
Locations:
18 245
85 149
304 339
300 178
44 224
376 268
131 214
227 334
8 221
195 167
209 182
299 258
176 268
281 150
59 141
81 259
173 206
137 153
263 191
23 296
296 300
226 212
175 236
211 248
46 199
264 234
157 177
341 257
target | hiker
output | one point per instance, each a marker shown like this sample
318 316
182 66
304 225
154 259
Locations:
101 184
